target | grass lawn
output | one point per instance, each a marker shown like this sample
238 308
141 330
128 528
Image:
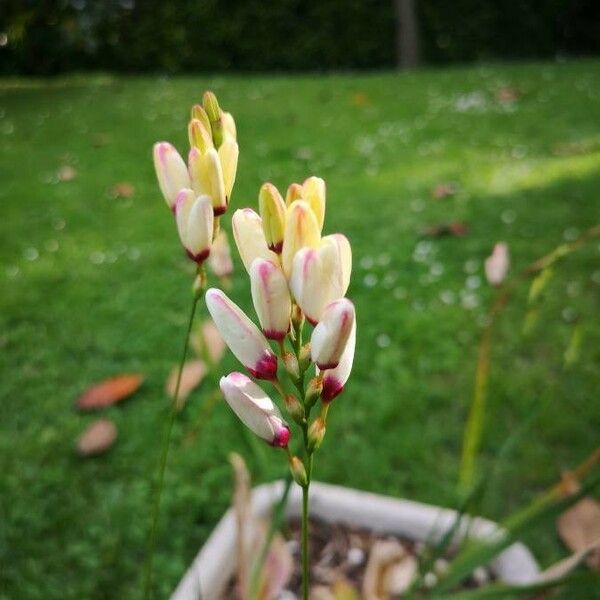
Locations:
94 285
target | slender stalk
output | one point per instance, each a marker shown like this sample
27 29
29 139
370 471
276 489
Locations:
305 557
305 563
149 560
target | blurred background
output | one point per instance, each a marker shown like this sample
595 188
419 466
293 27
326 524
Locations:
488 132
291 35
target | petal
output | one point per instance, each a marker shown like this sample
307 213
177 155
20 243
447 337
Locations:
313 192
199 135
255 408
335 379
271 298
317 279
330 336
345 252
228 155
301 231
194 220
272 211
229 128
171 172
242 336
220 255
249 237
207 177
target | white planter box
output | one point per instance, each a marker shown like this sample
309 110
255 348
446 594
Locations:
215 564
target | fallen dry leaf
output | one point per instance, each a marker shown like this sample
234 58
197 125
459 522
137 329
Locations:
191 377
110 391
359 99
456 229
123 189
67 173
97 438
101 139
444 190
579 525
507 94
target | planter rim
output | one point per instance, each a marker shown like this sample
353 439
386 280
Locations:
215 564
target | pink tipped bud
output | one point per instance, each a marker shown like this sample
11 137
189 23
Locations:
242 336
335 379
255 409
250 238
194 217
496 265
331 335
317 278
171 172
271 298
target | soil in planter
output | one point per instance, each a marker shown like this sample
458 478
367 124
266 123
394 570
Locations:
339 552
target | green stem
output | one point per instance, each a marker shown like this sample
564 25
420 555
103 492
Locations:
305 557
149 560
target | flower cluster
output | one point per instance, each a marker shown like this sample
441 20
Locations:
198 193
296 275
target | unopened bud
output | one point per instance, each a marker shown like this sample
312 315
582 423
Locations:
200 114
298 471
304 357
211 106
272 212
294 192
200 135
294 408
316 433
313 390
291 365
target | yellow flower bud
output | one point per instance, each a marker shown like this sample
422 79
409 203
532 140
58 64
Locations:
200 137
200 114
294 192
272 212
229 128
301 230
213 110
228 155
313 192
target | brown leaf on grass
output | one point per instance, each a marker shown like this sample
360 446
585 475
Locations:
101 139
67 173
454 229
97 438
207 343
359 99
507 94
191 377
444 190
123 189
579 525
110 391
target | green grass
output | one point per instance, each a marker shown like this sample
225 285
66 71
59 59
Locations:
528 174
